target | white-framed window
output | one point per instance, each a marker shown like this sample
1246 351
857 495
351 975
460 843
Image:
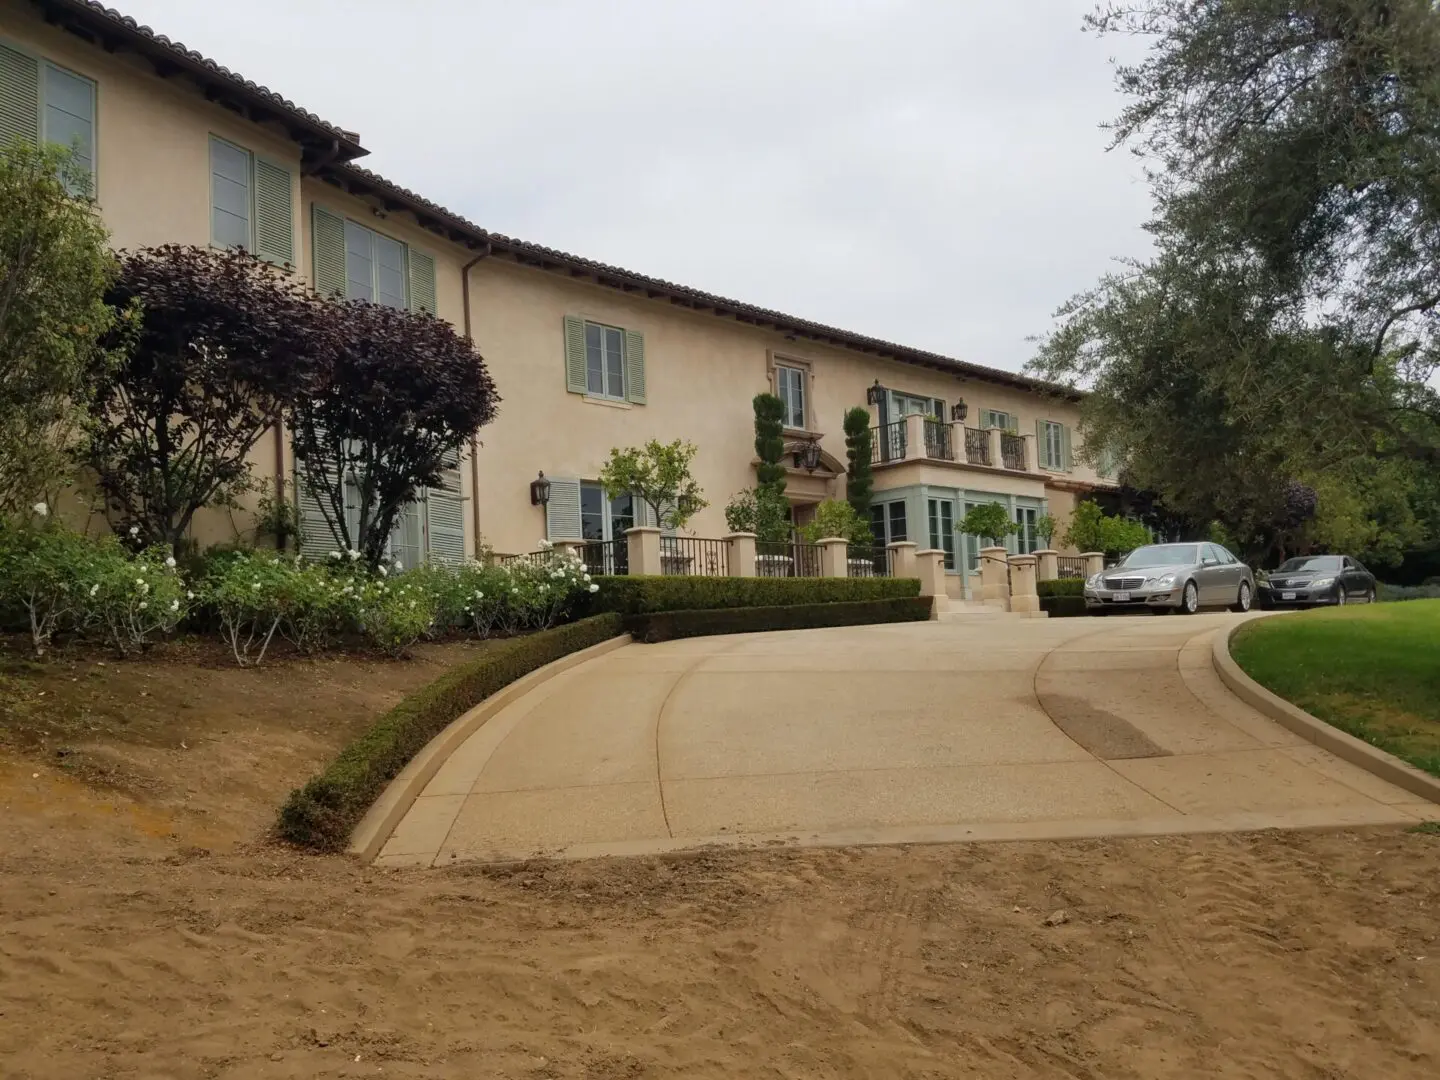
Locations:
790 389
913 404
942 529
995 418
887 522
232 202
375 268
605 361
1052 445
604 518
251 203
1027 539
69 116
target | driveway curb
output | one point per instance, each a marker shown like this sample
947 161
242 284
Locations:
400 794
1346 747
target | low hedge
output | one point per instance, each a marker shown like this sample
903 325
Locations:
658 626
638 595
1068 586
1063 607
322 814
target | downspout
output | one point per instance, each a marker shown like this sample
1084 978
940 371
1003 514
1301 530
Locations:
279 430
475 439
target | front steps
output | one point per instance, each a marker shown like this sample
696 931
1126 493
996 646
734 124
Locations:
949 609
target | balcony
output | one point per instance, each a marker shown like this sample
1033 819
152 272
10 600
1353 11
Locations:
950 446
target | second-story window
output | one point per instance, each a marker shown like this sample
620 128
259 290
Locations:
42 102
251 203
230 199
605 361
1054 446
995 418
374 267
790 389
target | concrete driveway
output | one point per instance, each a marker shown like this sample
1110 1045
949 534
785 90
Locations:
989 728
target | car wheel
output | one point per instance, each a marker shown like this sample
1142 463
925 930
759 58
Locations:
1242 602
1339 596
1368 597
1190 599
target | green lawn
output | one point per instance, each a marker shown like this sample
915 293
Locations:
1372 671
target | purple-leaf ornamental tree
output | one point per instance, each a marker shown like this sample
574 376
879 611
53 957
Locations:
219 354
399 392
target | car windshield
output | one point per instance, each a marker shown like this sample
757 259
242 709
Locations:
1311 562
1162 555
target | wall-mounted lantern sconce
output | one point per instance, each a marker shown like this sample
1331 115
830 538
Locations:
807 456
959 411
876 394
539 490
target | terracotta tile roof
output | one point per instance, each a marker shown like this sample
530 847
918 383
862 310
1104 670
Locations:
117 30
360 181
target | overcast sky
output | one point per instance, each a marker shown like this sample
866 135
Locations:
930 172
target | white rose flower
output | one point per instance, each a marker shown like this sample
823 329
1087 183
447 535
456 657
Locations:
384 571
594 587
335 554
255 586
170 561
94 589
41 509
143 605
134 530
174 605
354 555
587 577
189 595
139 581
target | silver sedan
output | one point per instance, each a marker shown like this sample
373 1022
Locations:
1172 577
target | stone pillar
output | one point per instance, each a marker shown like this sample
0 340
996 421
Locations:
1022 584
1094 563
570 548
1032 452
997 452
994 572
957 441
644 545
742 554
930 568
914 436
1047 566
902 559
834 555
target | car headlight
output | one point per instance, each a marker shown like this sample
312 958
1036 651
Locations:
1093 582
1164 581
1321 582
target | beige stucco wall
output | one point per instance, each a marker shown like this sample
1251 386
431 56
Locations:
701 373
153 174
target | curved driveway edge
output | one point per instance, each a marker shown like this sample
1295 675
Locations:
399 796
927 732
1344 746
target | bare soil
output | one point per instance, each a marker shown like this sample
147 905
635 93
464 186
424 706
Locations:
148 930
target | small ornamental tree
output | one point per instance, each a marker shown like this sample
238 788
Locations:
658 474
989 521
835 517
770 442
1046 527
397 392
218 354
55 265
859 478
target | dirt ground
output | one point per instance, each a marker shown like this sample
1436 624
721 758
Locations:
146 931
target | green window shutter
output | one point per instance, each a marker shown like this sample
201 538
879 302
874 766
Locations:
422 282
327 243
1042 447
19 97
445 514
634 367
317 536
575 359
562 512
1067 462
274 213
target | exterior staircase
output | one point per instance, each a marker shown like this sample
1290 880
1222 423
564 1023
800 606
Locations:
949 609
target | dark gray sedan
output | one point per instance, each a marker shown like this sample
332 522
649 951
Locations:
1318 579
1172 577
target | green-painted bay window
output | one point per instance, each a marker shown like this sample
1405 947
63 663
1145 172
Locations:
356 262
604 362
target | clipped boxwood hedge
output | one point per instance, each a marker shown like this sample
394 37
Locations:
1063 607
637 595
663 625
322 814
1070 586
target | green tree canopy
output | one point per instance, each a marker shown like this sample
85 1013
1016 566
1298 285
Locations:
659 474
55 265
